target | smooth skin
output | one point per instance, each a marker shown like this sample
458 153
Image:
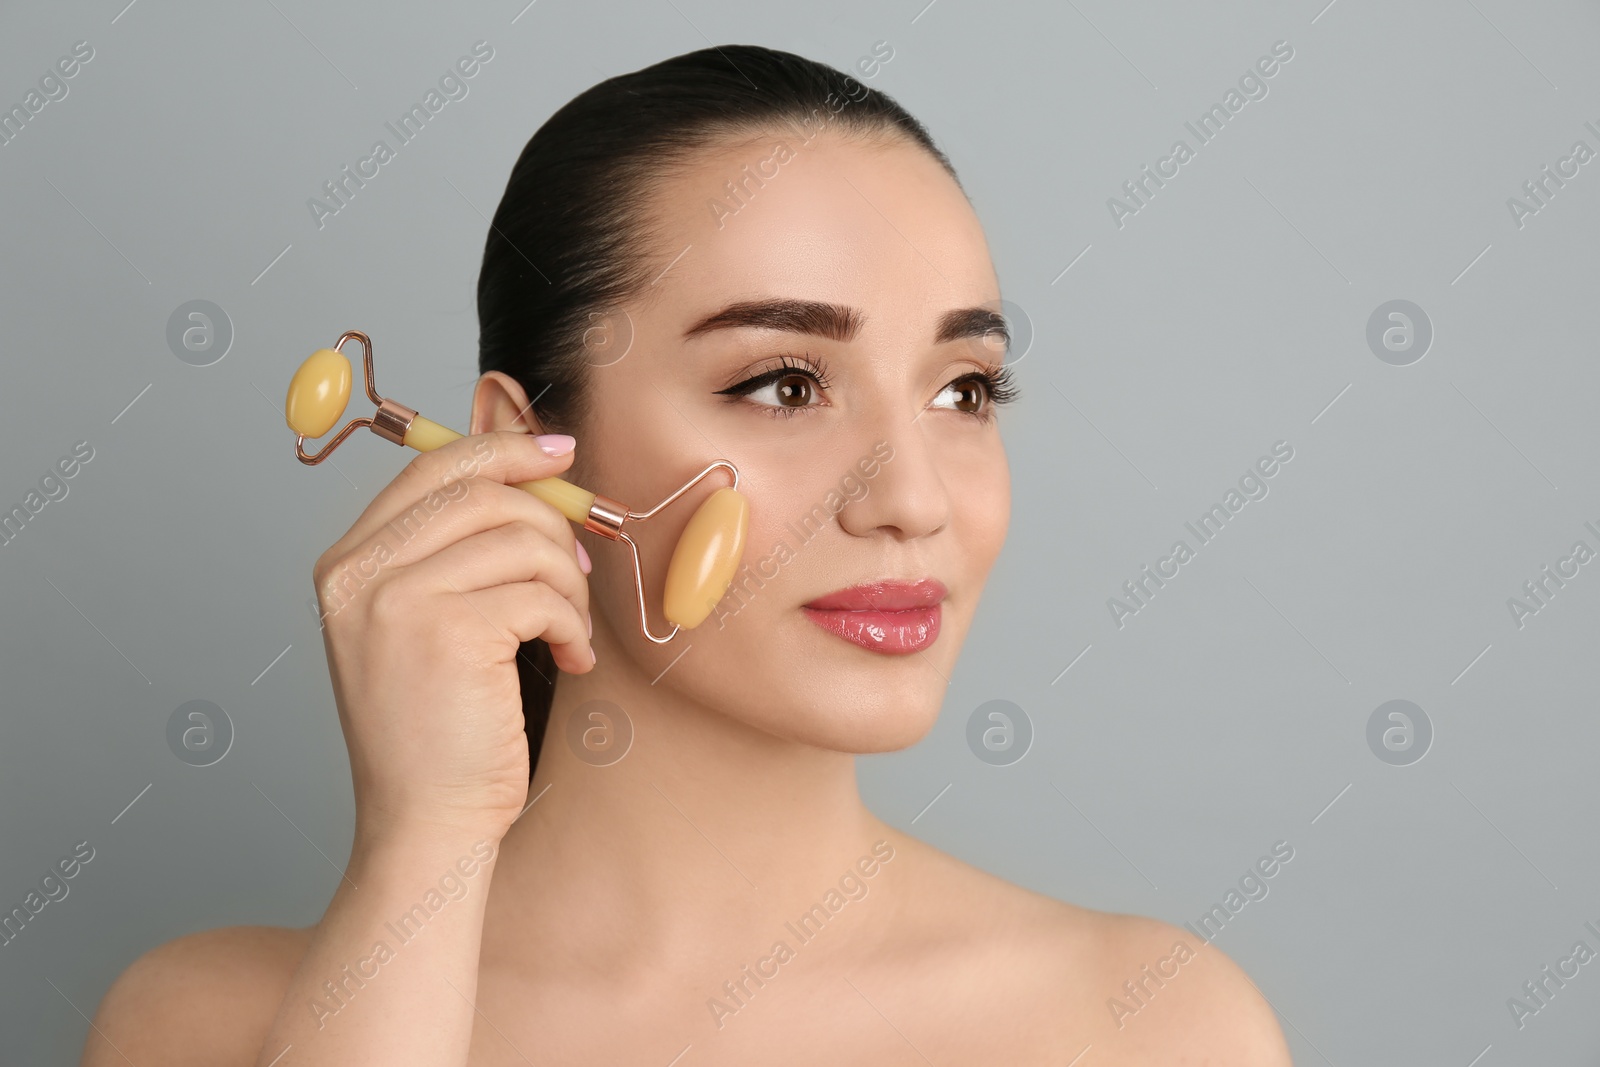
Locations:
621 898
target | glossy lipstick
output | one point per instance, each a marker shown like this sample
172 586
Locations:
888 616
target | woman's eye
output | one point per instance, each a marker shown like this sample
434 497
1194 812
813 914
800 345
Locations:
969 395
789 391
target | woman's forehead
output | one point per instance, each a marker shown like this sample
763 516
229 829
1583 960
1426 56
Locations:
880 228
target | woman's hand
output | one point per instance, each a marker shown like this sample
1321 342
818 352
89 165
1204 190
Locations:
425 602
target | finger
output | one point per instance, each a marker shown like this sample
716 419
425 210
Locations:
546 542
505 456
474 506
504 555
527 610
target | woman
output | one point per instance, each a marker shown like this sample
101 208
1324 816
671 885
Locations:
734 254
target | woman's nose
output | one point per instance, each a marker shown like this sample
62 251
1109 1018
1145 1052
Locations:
905 495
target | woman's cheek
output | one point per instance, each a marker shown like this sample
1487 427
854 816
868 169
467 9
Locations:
984 505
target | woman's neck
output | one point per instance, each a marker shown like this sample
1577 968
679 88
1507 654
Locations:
705 831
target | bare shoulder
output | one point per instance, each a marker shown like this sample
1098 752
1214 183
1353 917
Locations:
1174 998
1135 989
206 998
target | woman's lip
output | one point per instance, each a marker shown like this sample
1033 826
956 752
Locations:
884 595
895 633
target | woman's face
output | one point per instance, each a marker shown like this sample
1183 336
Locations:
885 472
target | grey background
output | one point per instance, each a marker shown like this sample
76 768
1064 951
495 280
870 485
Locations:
1228 314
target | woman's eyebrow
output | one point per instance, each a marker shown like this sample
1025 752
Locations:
837 322
833 321
976 322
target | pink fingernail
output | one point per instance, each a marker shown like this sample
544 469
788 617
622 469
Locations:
583 558
556 444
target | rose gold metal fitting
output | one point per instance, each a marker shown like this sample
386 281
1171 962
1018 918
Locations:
390 421
606 516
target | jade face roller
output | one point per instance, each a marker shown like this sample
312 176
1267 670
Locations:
708 552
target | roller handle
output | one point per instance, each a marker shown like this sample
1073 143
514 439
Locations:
573 501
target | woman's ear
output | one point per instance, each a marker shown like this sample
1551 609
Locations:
500 403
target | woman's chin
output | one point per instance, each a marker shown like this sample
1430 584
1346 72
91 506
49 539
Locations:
850 727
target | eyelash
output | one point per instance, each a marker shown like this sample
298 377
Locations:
998 386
